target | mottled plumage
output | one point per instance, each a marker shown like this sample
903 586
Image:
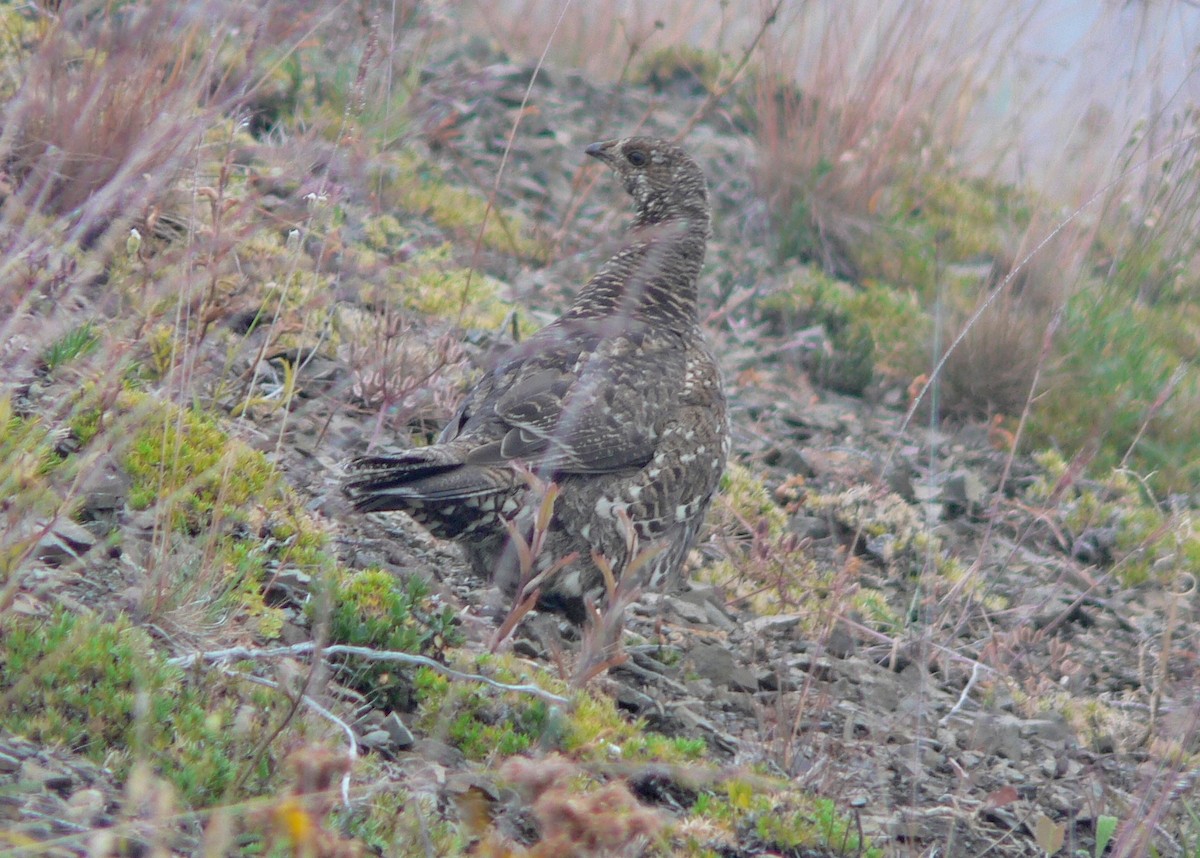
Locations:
618 402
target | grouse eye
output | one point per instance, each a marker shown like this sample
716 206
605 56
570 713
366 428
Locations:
636 157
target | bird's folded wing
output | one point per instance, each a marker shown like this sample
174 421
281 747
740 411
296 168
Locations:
603 414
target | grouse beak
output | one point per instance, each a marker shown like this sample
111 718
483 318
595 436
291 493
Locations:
601 151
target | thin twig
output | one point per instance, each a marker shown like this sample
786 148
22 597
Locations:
320 710
718 92
367 653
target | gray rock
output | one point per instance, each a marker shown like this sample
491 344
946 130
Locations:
809 526
376 740
712 662
401 736
998 734
55 781
776 625
963 492
1094 546
63 542
1052 732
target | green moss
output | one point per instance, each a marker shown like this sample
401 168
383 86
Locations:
874 512
485 724
393 822
27 456
99 689
373 609
872 329
673 65
181 459
1122 383
199 480
936 217
747 503
383 232
419 186
778 817
966 213
432 285
1145 540
817 824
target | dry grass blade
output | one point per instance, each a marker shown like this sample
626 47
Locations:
111 105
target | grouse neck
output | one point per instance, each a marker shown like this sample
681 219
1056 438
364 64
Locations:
651 278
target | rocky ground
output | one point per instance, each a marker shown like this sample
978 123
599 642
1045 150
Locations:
905 632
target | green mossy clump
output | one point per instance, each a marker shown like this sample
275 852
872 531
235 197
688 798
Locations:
1128 375
872 330
99 689
27 456
488 725
679 66
199 480
938 218
416 185
433 286
746 504
763 564
180 459
481 722
875 514
373 609
395 823
968 216
772 814
1119 524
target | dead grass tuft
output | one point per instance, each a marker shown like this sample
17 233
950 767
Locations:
113 101
993 369
850 95
607 821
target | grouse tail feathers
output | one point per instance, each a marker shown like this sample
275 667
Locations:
408 479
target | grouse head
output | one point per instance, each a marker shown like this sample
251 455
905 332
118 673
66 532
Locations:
664 181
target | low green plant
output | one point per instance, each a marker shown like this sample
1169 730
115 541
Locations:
99 689
77 342
416 184
395 822
679 65
817 824
872 330
484 724
372 608
433 286
27 455
1144 539
180 460
1124 387
780 819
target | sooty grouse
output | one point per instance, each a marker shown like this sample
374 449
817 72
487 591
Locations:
618 402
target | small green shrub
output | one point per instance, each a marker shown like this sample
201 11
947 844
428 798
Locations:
432 286
182 461
679 66
1143 540
373 609
99 689
417 185
77 342
872 330
1122 386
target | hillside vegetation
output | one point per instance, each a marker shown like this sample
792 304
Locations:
945 603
